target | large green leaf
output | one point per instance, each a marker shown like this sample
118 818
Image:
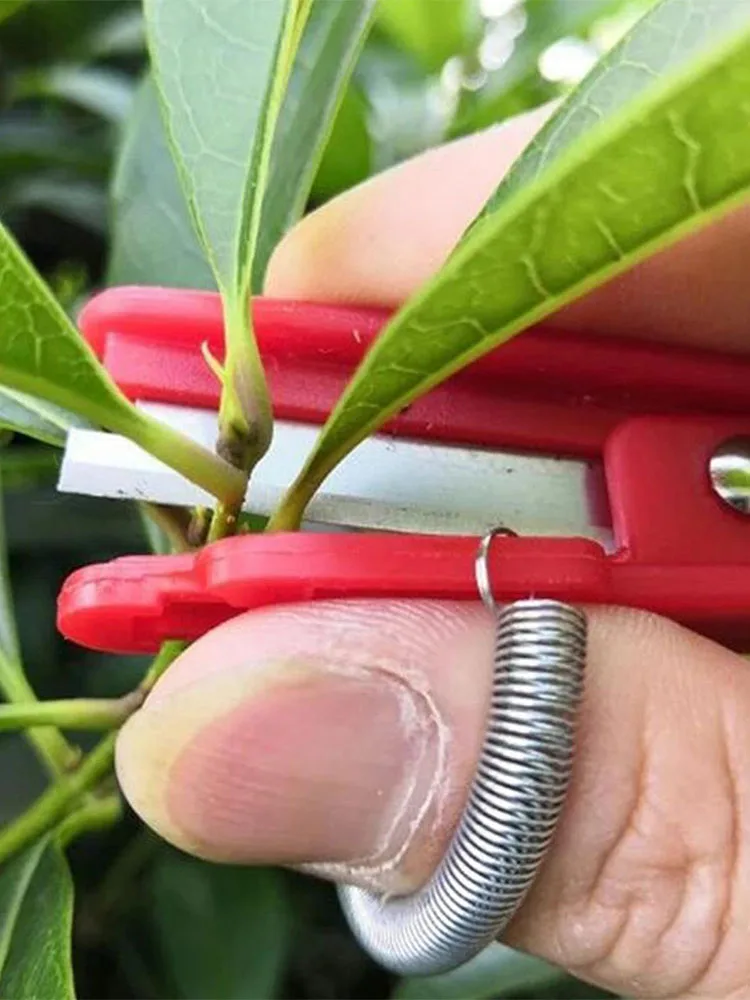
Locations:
221 69
224 932
215 64
654 142
42 353
36 418
154 242
153 238
496 972
36 910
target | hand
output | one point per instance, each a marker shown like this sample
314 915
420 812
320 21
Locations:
344 735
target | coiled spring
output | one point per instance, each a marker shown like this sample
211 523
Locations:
513 807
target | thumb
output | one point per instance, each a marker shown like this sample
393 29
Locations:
344 736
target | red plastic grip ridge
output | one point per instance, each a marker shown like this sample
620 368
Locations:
681 552
545 390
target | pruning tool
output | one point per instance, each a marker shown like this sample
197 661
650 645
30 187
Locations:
619 471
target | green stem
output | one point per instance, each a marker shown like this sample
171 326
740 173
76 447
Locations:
245 417
95 814
164 659
223 523
288 515
56 753
76 713
195 463
52 806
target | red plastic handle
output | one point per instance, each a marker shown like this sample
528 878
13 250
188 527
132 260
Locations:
559 393
682 552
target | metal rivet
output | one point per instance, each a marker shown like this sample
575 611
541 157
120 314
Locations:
729 469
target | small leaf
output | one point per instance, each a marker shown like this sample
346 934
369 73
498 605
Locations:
36 912
224 932
36 418
431 30
654 143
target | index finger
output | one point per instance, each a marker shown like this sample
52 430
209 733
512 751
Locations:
377 243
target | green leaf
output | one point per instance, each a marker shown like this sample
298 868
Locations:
11 671
36 418
431 30
347 157
214 62
224 932
123 34
330 44
78 201
36 913
99 90
496 972
153 240
654 143
42 353
221 68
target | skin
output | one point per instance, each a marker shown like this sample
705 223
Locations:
341 737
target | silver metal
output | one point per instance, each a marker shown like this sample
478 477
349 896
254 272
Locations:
387 483
729 469
482 567
514 805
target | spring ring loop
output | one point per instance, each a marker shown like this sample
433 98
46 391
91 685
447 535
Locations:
517 795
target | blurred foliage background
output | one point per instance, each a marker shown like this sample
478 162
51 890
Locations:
87 186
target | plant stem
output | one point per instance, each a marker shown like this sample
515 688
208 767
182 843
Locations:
56 753
163 660
195 463
51 807
76 713
95 814
288 515
223 523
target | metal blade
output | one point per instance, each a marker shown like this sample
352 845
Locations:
385 484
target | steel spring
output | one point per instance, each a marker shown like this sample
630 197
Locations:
517 795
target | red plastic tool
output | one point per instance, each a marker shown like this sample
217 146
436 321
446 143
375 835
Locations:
680 550
560 393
